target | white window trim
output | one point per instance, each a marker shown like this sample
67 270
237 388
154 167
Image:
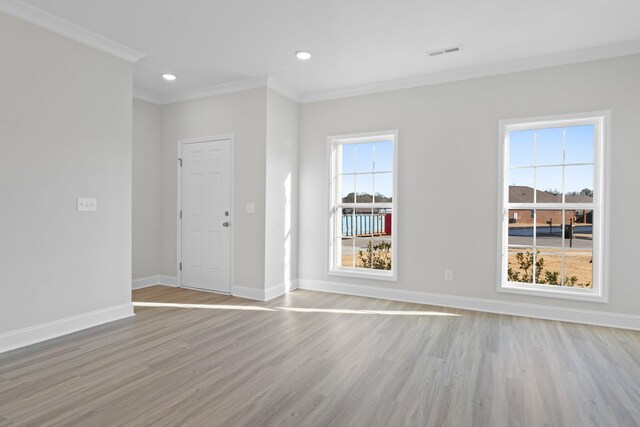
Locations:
602 148
333 270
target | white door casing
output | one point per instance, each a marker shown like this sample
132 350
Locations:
205 203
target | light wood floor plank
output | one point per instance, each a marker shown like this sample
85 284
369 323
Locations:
319 359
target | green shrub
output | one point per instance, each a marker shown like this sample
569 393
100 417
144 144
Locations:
525 263
551 278
381 256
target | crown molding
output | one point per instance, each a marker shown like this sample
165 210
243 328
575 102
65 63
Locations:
147 96
547 61
283 89
58 25
564 58
220 89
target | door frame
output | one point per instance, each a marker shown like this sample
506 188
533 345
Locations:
181 142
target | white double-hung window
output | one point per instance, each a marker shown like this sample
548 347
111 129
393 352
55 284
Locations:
552 206
362 211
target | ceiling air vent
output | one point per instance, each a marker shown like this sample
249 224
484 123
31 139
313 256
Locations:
445 50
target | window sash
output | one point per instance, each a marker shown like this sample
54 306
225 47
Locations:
336 204
600 121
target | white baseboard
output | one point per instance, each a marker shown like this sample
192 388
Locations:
248 293
279 290
46 331
237 291
590 317
263 294
145 282
168 281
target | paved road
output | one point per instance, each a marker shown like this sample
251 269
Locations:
554 240
543 229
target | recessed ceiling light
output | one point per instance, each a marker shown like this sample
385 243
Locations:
303 55
169 77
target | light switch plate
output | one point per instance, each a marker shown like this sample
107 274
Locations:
87 204
250 208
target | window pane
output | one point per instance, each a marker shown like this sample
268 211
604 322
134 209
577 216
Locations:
578 255
549 228
549 147
549 185
579 235
520 227
363 252
521 150
347 185
348 158
579 144
364 158
578 184
549 268
384 156
578 268
520 267
521 185
364 188
384 223
347 258
378 223
383 187
381 254
583 220
347 228
364 222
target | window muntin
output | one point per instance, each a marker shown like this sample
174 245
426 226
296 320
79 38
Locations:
551 213
362 205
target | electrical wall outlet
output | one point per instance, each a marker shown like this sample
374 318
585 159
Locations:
87 204
250 208
448 275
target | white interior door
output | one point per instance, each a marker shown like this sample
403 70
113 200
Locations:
206 206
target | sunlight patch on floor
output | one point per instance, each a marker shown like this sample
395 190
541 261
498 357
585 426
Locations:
205 306
294 309
382 312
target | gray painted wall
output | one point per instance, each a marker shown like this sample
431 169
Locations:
65 132
265 126
146 189
448 163
244 115
281 207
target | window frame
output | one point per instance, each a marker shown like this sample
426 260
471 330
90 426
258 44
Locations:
333 269
602 145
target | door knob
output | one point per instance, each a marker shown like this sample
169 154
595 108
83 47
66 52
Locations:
225 224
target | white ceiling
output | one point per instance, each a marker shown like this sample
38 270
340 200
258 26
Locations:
353 42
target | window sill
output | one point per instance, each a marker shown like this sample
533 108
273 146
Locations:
363 274
544 291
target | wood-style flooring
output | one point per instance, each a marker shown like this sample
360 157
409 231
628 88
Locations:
319 359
